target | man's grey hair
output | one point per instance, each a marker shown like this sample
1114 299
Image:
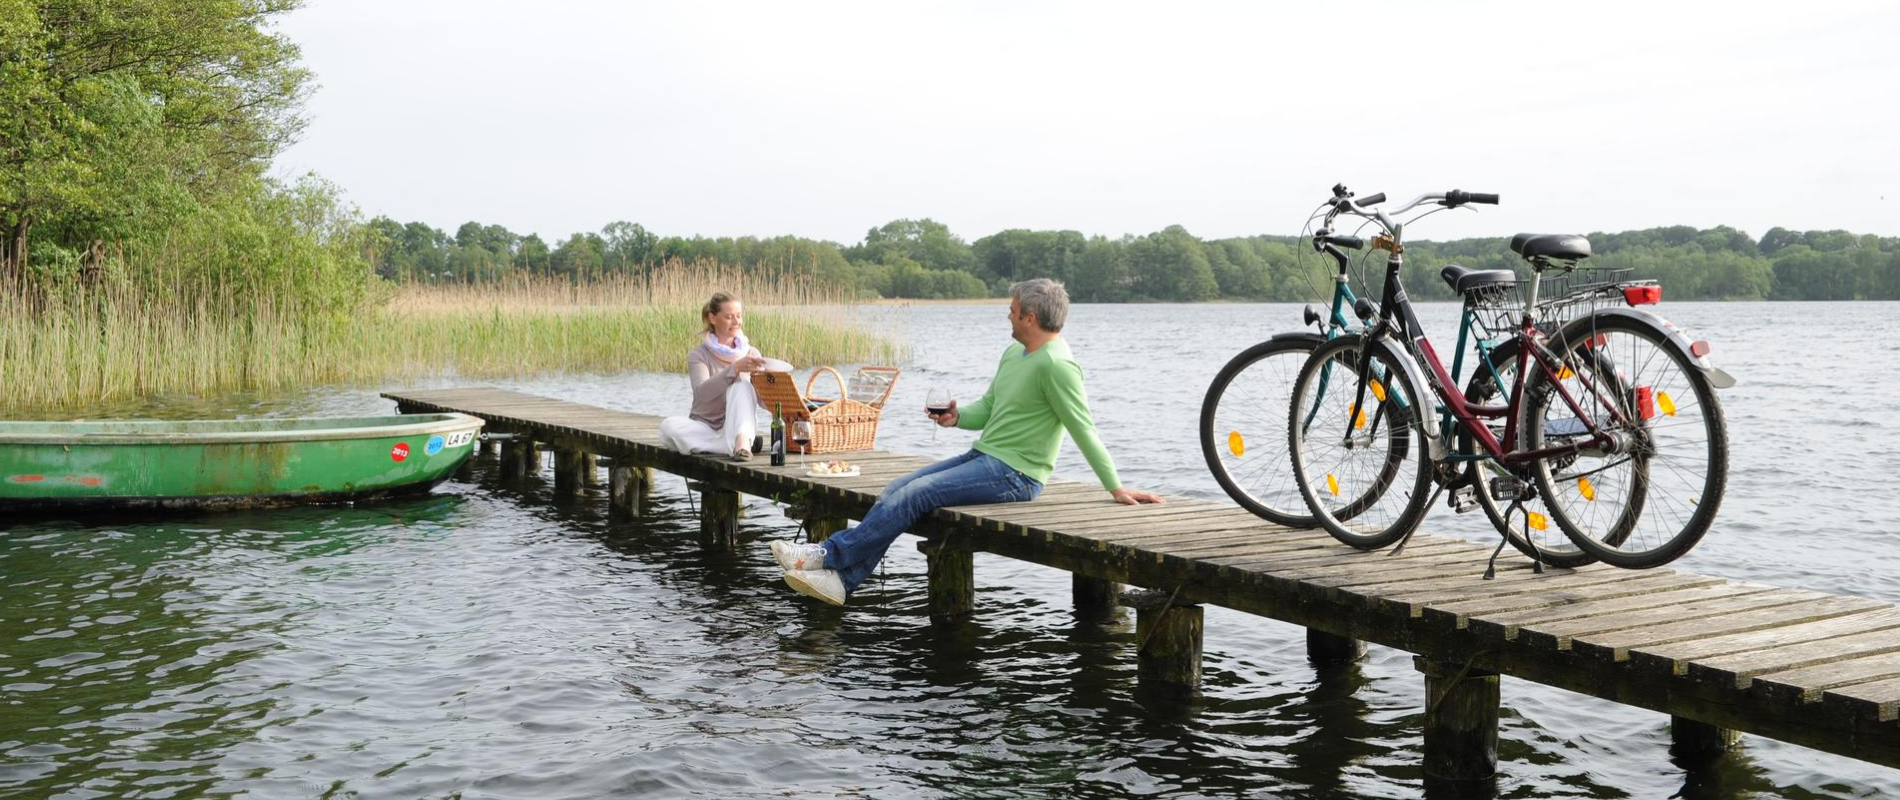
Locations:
1044 298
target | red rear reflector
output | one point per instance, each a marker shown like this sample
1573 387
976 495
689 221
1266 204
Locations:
1700 349
1642 295
1646 402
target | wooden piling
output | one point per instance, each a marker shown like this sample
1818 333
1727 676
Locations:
1095 598
718 518
952 580
627 489
1461 721
1167 640
1330 648
519 459
1697 741
574 470
822 520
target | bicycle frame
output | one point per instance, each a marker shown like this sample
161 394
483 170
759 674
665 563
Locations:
1396 317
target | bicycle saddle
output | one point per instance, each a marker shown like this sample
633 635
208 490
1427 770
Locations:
1563 246
1463 279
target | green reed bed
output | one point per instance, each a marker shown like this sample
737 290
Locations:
78 348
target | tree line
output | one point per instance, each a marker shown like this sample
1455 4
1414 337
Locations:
923 259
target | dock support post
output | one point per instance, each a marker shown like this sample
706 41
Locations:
490 447
627 489
1095 598
1331 648
1461 721
718 518
574 470
1699 740
821 527
952 578
518 458
1168 641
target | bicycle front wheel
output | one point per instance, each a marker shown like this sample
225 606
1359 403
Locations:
1243 428
1649 494
1358 443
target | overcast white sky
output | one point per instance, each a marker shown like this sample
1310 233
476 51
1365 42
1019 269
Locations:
827 119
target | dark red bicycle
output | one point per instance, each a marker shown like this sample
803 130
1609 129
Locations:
1607 425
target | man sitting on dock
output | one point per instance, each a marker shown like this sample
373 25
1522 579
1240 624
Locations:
1036 395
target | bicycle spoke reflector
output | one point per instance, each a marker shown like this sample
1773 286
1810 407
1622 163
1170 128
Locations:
1378 390
1332 484
1667 405
1536 520
1584 488
1236 444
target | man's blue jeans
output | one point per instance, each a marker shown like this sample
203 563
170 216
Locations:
970 479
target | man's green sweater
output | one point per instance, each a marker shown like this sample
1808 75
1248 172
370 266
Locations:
1032 399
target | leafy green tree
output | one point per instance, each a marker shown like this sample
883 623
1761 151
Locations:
123 117
1104 275
927 242
629 246
1016 255
532 255
581 255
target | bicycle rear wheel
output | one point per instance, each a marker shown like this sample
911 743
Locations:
1649 496
1243 428
1358 443
1528 528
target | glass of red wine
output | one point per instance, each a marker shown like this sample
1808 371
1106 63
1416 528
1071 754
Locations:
801 436
937 402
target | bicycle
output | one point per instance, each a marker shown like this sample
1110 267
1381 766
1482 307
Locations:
1610 419
1242 423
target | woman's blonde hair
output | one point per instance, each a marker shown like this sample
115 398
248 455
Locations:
713 306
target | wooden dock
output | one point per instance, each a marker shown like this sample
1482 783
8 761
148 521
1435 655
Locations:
1719 656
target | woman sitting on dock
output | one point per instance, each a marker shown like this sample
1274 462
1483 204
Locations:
724 418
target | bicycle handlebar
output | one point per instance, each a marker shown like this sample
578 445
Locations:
1343 203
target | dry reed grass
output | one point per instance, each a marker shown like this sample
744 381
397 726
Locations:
67 349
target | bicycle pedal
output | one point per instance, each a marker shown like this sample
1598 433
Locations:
1462 499
1505 488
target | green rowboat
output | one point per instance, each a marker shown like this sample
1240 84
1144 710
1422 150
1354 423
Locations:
52 466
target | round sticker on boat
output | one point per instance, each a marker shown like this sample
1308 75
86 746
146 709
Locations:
399 452
434 446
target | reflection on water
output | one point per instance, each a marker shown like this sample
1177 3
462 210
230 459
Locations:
489 641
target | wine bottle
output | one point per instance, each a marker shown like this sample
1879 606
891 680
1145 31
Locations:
778 434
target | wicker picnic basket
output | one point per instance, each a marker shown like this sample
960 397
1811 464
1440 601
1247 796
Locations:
840 423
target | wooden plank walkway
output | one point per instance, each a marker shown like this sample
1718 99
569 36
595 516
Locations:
1814 669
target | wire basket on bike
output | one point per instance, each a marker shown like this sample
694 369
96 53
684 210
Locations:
1562 297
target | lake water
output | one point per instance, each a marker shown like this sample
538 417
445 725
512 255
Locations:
489 642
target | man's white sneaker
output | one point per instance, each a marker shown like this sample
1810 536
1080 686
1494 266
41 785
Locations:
792 555
823 584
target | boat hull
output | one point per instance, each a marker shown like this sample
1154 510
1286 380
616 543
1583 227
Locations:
212 465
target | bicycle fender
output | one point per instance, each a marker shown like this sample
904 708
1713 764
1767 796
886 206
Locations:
1434 444
1678 340
1315 338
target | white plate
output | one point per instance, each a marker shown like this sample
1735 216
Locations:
852 473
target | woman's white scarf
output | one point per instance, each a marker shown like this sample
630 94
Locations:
728 354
